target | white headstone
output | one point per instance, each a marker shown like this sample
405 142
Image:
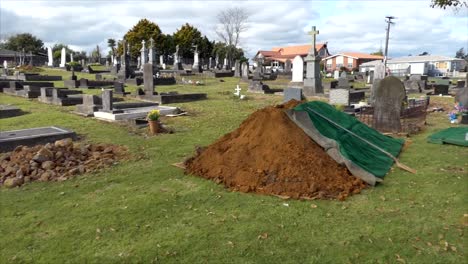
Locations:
225 65
50 61
63 58
336 74
5 64
298 69
143 55
379 71
161 60
114 60
71 56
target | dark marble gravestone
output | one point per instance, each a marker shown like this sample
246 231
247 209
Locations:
9 111
9 140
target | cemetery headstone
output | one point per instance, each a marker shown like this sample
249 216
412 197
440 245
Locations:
196 64
339 96
336 74
293 94
50 61
298 70
287 66
98 77
388 96
107 98
237 70
143 54
148 79
152 53
313 80
63 58
225 65
375 77
245 71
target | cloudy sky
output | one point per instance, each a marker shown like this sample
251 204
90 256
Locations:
357 26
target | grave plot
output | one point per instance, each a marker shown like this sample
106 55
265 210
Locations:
60 96
148 92
26 89
56 161
37 77
128 111
91 84
269 154
9 140
9 111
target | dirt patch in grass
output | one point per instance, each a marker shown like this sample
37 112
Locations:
269 154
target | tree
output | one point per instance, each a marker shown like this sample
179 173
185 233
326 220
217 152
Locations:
143 30
449 3
186 37
223 51
378 53
461 54
57 52
166 45
231 23
111 44
424 53
25 41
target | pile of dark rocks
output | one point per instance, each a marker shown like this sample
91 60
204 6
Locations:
56 162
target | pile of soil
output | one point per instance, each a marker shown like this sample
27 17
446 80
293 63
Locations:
269 154
56 162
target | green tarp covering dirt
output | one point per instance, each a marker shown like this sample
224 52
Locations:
453 135
353 149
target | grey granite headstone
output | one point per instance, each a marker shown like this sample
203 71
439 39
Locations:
245 71
343 83
237 70
107 98
98 77
293 94
339 96
389 97
119 88
148 79
287 66
462 97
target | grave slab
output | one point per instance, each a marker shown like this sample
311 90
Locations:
9 140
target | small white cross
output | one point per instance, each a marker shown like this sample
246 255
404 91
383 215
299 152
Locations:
238 89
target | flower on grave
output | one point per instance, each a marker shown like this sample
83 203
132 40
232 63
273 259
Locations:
153 115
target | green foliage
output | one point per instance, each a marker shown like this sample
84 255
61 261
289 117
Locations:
153 115
166 45
449 3
186 37
26 41
461 54
143 30
230 52
378 53
57 52
111 44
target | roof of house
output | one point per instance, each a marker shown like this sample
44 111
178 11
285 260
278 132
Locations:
357 55
425 58
297 50
370 63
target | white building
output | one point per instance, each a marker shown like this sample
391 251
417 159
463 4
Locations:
431 65
369 66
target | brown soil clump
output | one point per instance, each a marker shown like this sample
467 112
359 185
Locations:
56 162
269 154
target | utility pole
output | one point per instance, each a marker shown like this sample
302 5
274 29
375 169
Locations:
389 22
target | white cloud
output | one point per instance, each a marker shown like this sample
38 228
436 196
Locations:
346 25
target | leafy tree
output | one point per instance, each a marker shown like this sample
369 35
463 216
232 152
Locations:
26 41
186 37
78 56
166 45
111 44
461 54
143 30
223 51
206 47
424 53
449 3
378 53
57 52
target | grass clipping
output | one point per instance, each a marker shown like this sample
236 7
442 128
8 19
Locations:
269 154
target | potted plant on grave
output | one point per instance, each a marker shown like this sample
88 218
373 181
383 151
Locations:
153 121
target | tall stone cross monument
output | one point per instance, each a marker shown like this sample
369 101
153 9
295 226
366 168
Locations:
313 81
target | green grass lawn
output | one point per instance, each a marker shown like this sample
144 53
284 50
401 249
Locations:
147 211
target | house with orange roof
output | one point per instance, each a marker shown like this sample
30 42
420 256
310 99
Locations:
348 60
276 57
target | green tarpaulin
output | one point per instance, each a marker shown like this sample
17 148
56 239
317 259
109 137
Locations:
453 135
351 147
